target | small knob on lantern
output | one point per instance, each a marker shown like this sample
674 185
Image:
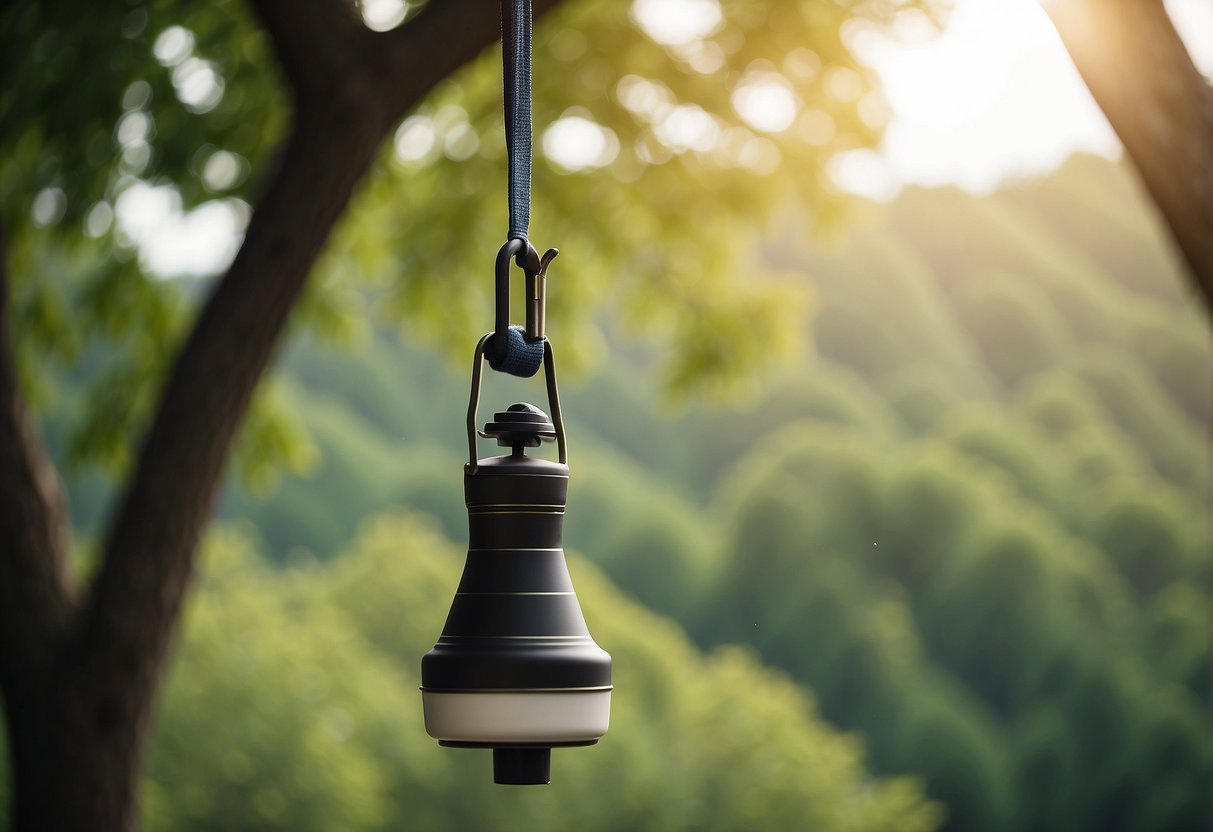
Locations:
520 426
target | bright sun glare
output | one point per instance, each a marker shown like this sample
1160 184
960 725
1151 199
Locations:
994 96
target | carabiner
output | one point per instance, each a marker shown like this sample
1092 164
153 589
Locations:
534 268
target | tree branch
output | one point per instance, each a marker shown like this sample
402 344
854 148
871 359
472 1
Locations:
150 551
1161 107
317 42
444 36
36 589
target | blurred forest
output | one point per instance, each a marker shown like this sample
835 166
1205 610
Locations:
969 524
938 557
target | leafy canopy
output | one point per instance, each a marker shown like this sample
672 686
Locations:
662 151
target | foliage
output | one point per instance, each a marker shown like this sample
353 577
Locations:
999 579
185 112
79 137
315 673
1025 540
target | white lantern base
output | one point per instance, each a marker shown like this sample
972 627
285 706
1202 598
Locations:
517 716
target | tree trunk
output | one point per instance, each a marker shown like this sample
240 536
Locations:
79 733
1161 107
74 768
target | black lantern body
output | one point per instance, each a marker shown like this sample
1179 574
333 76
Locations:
515 668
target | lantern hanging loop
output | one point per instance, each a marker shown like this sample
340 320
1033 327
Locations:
549 368
516 350
516 85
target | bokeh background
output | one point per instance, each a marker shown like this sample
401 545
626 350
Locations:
887 401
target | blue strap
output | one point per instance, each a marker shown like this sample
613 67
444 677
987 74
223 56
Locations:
516 75
517 356
520 357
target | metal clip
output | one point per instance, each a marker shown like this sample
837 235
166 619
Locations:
535 269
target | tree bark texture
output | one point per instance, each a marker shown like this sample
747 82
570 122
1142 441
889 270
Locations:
1161 107
79 674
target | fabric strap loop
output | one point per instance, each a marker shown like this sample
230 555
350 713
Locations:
516 77
509 350
519 357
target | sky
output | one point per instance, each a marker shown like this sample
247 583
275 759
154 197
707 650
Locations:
993 96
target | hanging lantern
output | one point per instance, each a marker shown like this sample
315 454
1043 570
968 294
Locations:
515 668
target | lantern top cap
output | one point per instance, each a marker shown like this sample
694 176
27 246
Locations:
520 426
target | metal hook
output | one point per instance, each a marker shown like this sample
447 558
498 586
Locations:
535 269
